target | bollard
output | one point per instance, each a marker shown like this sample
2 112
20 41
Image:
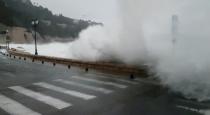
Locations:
42 62
69 66
54 64
24 58
14 57
86 69
131 76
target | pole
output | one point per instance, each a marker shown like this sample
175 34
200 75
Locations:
36 53
8 45
35 24
5 38
174 29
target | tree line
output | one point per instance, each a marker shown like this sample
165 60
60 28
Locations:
21 13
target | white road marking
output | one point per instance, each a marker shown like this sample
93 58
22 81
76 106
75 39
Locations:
189 109
193 102
138 80
147 81
200 111
100 82
14 108
117 79
99 89
57 103
206 112
65 91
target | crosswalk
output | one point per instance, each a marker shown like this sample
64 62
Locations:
94 88
117 79
57 103
15 108
65 91
100 82
99 86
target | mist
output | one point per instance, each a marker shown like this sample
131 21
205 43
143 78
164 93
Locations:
142 35
182 66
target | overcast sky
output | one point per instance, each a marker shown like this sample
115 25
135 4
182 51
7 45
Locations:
96 10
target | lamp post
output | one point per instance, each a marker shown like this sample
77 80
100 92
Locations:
35 24
174 28
7 39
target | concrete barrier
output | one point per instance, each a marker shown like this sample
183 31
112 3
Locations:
3 47
101 66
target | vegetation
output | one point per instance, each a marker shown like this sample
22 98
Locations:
22 12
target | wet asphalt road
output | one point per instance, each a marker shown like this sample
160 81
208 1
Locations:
28 88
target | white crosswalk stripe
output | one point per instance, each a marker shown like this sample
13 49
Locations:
14 108
117 79
65 91
99 89
100 82
57 103
148 81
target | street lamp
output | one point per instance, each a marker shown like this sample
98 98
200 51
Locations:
35 24
7 39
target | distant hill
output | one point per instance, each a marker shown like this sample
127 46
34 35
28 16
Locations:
20 13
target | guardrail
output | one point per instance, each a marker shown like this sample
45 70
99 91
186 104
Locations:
101 66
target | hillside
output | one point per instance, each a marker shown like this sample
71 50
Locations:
20 13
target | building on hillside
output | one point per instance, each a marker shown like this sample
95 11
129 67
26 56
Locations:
20 35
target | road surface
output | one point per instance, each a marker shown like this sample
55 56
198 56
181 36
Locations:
28 88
